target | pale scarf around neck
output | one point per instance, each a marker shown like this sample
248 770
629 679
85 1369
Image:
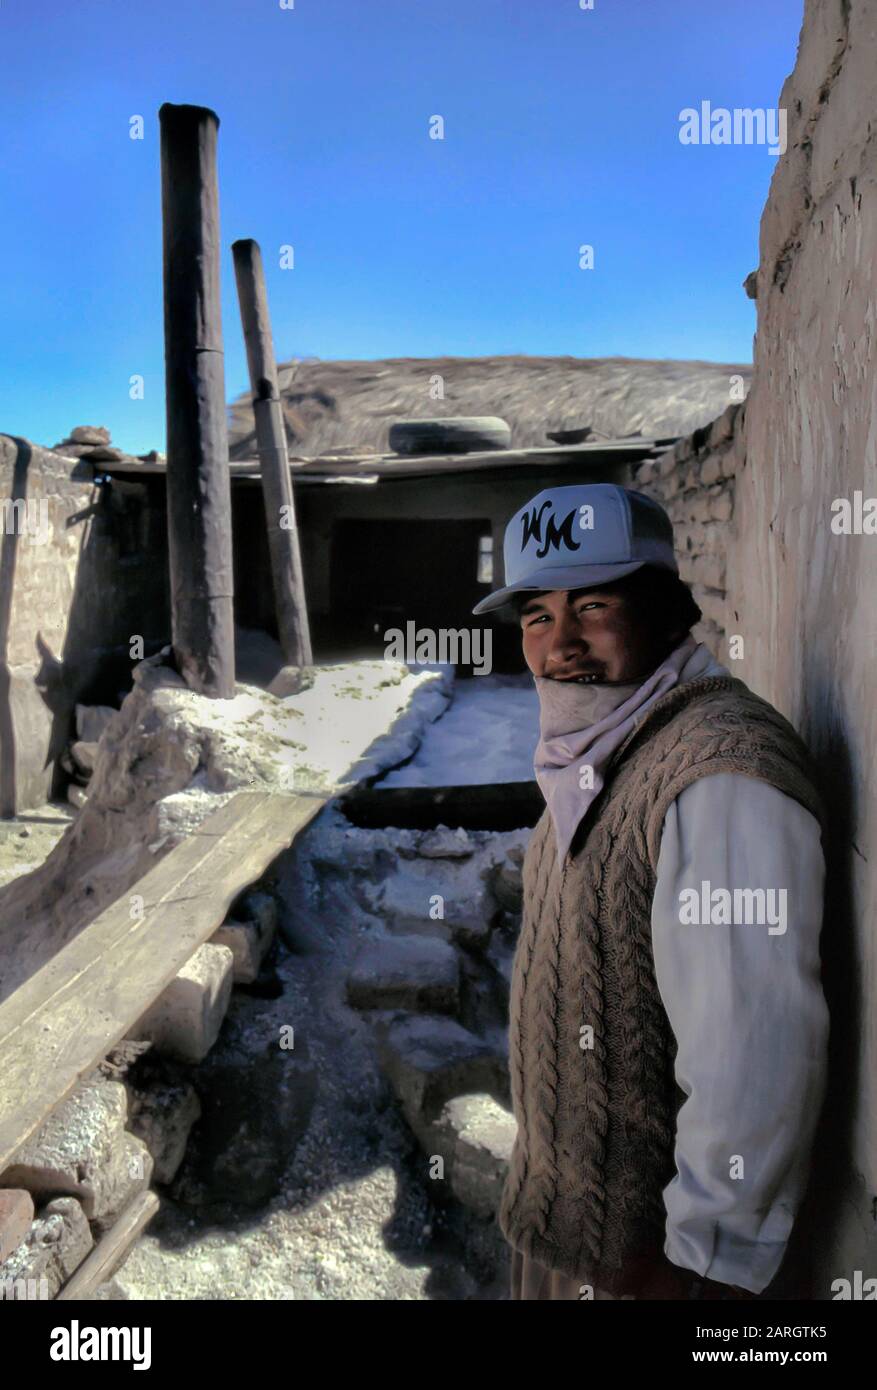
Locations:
581 726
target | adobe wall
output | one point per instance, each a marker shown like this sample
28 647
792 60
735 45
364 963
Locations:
806 595
82 568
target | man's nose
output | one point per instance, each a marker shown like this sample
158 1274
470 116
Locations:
566 639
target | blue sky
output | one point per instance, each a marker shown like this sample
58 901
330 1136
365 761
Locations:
561 128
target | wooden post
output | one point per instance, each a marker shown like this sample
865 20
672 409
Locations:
198 486
286 567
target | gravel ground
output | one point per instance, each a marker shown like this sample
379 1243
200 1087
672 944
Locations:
26 840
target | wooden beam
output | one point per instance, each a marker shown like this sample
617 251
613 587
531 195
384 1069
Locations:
111 1250
481 806
198 487
61 1022
283 546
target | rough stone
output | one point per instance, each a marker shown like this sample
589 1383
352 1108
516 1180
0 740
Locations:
249 943
709 570
723 429
110 1292
405 972
485 1133
711 470
53 1249
507 883
83 756
185 1020
104 453
260 907
16 1214
162 1116
721 506
83 1151
291 680
91 720
406 901
76 795
443 843
430 1059
88 434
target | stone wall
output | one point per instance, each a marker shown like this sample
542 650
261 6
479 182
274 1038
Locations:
695 481
803 588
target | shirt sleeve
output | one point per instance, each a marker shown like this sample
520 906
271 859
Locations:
745 1003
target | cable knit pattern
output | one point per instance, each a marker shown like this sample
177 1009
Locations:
596 1125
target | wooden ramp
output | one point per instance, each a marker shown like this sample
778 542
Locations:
62 1021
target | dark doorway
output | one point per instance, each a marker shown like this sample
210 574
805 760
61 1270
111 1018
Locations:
385 574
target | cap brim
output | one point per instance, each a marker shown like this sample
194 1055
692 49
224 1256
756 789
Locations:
570 577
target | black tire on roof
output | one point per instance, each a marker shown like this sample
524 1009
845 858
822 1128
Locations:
453 435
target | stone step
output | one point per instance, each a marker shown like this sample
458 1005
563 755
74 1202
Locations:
429 1059
405 972
473 1136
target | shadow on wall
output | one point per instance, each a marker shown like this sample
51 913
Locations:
835 1190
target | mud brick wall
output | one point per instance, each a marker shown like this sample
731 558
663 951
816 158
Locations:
695 482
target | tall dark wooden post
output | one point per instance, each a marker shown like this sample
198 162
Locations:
286 567
198 487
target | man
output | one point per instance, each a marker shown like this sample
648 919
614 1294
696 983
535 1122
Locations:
668 1030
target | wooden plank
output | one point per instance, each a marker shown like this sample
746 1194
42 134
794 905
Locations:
111 1250
283 547
68 1015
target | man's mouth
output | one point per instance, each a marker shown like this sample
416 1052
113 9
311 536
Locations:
581 678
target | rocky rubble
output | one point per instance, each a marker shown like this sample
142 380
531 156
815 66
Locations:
92 443
436 915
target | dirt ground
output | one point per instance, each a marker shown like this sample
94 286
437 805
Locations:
26 840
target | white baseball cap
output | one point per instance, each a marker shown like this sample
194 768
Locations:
580 536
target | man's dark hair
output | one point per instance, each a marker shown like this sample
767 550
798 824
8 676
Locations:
663 600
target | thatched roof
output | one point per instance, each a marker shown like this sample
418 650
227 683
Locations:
331 405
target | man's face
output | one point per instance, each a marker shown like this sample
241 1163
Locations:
589 635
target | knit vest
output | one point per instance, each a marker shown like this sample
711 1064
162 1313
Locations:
596 1114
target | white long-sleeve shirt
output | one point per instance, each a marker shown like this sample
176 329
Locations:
747 1009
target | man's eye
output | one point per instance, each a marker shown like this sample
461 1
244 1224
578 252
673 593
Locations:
594 603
